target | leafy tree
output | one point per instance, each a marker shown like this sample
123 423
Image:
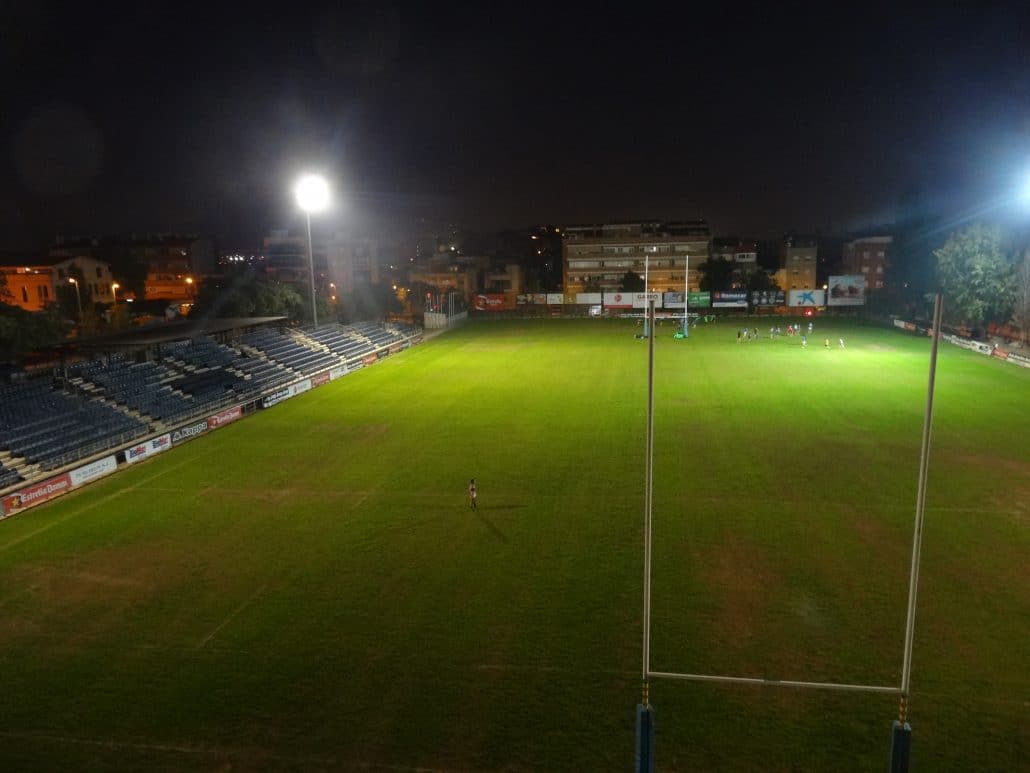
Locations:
23 331
632 282
975 276
1022 314
759 280
371 301
5 292
718 274
243 294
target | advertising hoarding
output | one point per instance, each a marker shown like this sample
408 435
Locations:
277 396
189 432
224 417
722 299
697 300
618 300
555 299
768 298
672 300
640 300
591 299
36 493
147 448
806 298
319 379
846 290
491 302
93 470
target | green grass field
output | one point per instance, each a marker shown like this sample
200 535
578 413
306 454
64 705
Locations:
308 590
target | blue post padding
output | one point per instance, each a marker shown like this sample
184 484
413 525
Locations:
644 761
901 743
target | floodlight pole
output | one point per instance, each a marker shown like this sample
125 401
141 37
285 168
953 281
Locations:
311 266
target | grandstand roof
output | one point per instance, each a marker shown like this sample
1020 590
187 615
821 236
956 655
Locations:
177 330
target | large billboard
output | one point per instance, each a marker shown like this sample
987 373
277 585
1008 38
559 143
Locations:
729 299
807 298
846 290
768 298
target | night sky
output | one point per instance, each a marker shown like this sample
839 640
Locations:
182 116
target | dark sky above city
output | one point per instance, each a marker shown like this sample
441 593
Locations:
761 118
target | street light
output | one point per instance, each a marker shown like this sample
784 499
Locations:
312 193
78 299
114 292
189 286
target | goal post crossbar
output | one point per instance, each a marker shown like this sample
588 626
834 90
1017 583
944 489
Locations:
776 682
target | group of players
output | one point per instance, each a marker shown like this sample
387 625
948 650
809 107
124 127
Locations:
749 333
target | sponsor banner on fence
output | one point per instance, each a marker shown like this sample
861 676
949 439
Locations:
538 299
768 298
674 300
224 417
301 387
93 470
618 300
394 348
846 290
277 396
570 298
338 372
369 359
491 302
640 300
189 432
39 492
555 299
729 299
148 448
591 299
806 298
319 379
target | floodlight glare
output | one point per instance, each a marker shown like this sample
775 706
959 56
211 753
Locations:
312 192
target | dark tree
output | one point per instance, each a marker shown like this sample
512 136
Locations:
632 282
718 274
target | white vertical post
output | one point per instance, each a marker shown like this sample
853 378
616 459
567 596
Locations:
648 490
917 536
686 295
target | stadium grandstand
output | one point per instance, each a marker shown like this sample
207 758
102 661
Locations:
111 392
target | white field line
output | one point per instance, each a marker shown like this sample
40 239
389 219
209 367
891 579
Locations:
103 500
250 599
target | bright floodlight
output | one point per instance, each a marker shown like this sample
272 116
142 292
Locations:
1024 192
312 193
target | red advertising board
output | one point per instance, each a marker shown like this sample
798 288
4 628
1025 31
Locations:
39 492
226 416
394 348
492 302
369 359
321 378
1000 354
